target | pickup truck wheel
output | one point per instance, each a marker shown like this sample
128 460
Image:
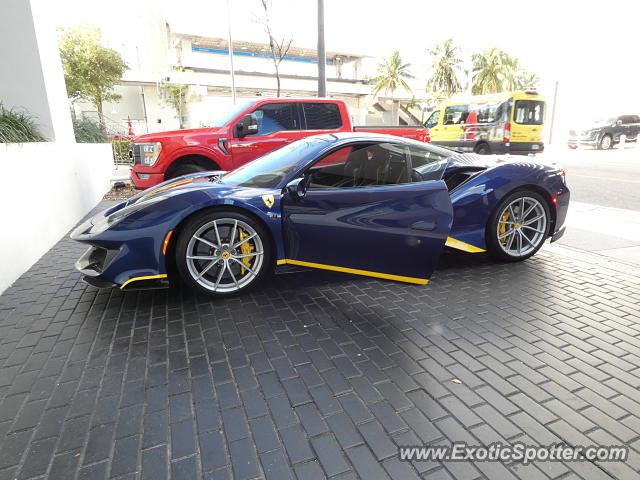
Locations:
185 169
605 142
483 149
222 253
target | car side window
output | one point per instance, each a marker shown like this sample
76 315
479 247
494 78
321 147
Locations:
455 114
275 117
321 116
363 165
426 164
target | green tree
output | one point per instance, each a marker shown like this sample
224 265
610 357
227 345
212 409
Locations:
491 70
526 79
494 71
391 75
445 68
174 95
91 70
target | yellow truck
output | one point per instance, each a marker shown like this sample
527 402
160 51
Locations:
508 122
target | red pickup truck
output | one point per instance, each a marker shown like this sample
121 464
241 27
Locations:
242 134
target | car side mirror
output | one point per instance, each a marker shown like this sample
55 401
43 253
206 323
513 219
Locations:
618 122
296 188
247 125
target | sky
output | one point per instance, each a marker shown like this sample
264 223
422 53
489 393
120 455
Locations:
590 48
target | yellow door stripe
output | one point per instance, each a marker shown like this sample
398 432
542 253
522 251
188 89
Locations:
453 243
398 278
135 279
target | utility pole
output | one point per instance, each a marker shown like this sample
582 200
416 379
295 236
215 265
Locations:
230 43
322 54
553 112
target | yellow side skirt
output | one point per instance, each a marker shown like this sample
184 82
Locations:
466 247
135 279
398 278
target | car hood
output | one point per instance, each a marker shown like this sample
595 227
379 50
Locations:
207 182
181 134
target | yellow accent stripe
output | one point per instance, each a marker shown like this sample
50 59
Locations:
398 278
453 243
135 279
184 181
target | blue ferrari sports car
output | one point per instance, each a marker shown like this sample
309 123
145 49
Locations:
359 203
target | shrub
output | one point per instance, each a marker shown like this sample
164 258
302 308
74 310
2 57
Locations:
87 131
121 151
18 127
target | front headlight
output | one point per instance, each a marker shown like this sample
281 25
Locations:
149 153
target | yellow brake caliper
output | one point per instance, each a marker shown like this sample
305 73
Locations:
503 226
245 248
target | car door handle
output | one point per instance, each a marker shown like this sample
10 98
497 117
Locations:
427 225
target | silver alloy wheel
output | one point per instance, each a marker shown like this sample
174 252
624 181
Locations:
606 142
225 255
522 225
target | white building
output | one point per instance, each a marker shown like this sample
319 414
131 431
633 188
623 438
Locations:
161 54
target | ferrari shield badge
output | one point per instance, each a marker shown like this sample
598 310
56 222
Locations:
268 200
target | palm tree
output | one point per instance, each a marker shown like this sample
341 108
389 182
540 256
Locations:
493 71
446 68
526 79
392 73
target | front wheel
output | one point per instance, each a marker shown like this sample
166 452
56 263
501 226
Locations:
605 142
223 253
518 227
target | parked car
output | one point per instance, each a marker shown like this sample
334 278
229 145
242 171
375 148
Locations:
242 134
507 122
606 133
366 204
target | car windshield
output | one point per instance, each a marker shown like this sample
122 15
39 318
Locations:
603 121
270 169
225 116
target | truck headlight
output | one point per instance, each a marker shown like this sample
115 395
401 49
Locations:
149 153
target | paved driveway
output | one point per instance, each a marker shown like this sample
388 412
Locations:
318 374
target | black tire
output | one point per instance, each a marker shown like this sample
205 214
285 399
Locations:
185 169
229 284
606 142
497 248
483 149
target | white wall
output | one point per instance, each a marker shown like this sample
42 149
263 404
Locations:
48 188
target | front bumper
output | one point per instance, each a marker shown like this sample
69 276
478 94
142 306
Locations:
121 258
142 179
582 142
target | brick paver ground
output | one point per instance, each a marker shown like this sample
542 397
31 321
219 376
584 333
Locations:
318 374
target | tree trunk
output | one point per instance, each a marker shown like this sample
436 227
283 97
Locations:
277 81
101 123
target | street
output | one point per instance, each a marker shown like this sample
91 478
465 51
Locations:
609 178
604 215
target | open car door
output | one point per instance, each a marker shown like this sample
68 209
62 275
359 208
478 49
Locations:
368 209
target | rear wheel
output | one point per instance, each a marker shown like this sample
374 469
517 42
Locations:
483 149
518 227
223 253
605 142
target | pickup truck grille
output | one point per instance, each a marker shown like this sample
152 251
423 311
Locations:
136 154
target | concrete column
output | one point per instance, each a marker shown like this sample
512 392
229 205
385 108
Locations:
31 75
